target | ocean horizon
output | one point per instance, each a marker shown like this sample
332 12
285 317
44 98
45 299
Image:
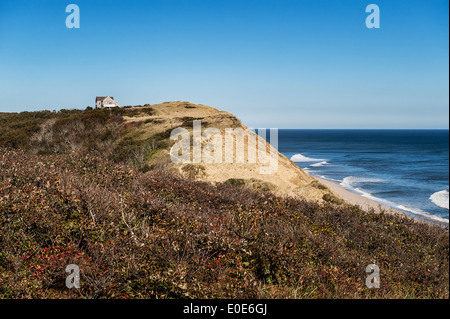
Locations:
406 169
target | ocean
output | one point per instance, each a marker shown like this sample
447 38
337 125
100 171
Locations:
404 169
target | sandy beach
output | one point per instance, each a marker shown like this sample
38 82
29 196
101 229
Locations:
367 204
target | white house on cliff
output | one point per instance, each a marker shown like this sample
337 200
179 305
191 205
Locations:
105 102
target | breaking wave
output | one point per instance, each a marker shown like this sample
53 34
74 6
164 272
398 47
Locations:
420 213
441 198
352 181
299 158
319 164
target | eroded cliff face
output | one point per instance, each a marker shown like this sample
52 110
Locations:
286 177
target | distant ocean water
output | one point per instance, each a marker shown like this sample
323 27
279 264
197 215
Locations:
404 169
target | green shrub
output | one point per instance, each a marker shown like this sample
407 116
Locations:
236 181
332 199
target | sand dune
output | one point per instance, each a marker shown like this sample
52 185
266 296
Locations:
289 179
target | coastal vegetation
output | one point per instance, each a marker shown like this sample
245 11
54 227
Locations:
89 188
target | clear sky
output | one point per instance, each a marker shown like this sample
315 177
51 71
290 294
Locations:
273 63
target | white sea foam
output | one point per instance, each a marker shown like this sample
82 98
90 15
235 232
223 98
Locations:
374 198
420 213
441 198
415 211
299 158
352 181
319 164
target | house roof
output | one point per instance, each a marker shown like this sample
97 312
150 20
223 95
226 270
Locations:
101 98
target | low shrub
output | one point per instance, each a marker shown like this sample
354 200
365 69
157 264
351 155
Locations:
158 235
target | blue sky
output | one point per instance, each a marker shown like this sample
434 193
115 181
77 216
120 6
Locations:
273 63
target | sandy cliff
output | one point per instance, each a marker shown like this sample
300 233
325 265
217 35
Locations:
287 179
